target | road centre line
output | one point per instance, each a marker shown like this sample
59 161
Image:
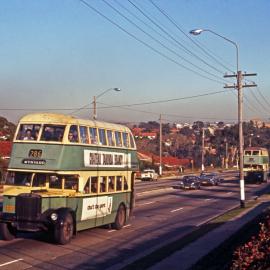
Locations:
178 209
7 263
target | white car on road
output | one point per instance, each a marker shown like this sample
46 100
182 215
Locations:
149 175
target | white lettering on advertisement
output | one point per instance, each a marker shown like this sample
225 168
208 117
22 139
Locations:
94 158
96 207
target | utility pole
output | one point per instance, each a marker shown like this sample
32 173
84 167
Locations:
95 108
160 146
202 149
226 159
239 86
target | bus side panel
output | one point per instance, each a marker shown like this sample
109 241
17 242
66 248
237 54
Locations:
105 216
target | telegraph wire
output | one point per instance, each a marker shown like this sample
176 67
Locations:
145 44
168 100
258 101
85 107
262 96
183 32
125 107
179 43
159 42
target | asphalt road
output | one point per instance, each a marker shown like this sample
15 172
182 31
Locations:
160 216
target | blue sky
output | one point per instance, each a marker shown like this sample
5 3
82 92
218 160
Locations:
58 54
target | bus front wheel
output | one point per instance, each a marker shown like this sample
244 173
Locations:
7 232
64 231
120 218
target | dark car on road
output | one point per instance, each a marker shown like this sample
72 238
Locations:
189 182
210 179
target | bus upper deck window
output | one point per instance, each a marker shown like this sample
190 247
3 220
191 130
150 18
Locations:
102 136
132 143
73 134
125 139
93 135
118 138
256 153
52 133
28 132
110 137
84 134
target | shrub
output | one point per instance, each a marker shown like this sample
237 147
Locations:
255 254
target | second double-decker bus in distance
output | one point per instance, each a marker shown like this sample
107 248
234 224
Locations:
256 164
67 174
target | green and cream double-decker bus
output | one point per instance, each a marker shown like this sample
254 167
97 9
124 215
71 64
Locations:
256 164
67 174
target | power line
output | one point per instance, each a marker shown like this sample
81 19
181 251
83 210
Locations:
115 106
183 32
159 42
125 107
147 45
179 43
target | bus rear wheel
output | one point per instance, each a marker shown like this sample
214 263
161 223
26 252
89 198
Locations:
7 232
64 232
120 219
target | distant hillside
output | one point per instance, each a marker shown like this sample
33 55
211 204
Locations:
7 129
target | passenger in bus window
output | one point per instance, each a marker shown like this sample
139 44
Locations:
93 184
119 183
102 184
28 135
125 184
111 183
73 134
86 189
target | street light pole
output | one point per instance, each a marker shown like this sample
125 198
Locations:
202 149
239 87
96 97
160 146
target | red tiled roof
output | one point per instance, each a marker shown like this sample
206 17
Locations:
169 161
5 148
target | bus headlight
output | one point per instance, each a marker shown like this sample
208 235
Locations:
54 216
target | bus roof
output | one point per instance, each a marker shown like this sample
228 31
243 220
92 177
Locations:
255 149
55 118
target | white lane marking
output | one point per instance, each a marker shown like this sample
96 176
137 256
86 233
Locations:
208 199
4 264
128 225
229 192
178 209
140 204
